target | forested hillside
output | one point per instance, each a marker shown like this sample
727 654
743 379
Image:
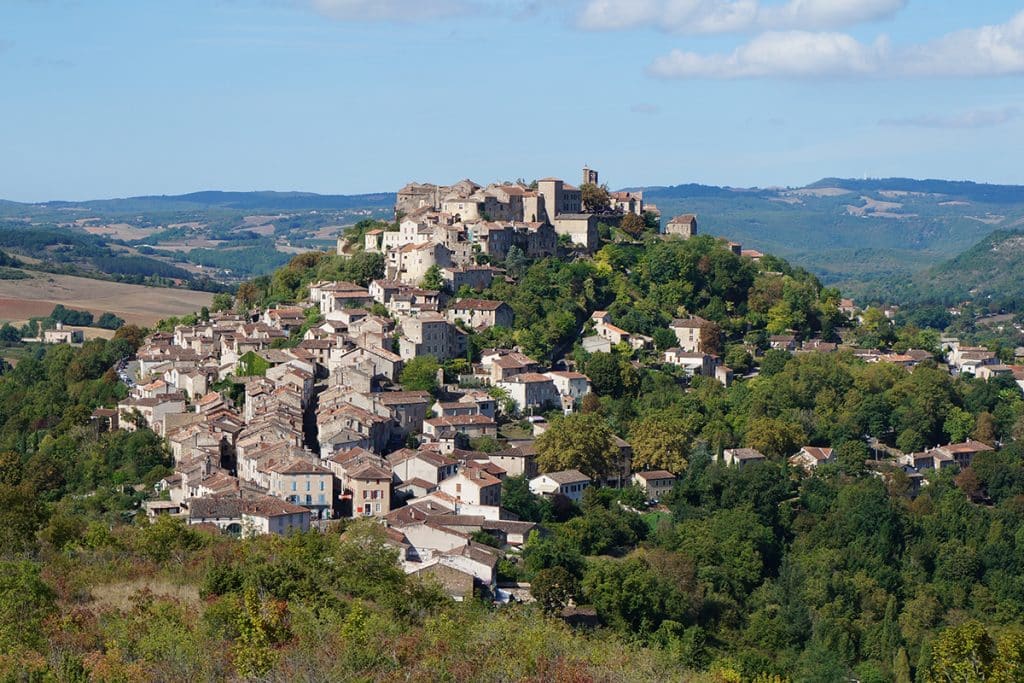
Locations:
989 274
764 573
848 232
852 232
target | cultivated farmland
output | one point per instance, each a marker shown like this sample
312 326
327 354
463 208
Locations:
21 299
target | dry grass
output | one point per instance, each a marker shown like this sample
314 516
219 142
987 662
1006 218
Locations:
123 595
329 232
121 231
22 299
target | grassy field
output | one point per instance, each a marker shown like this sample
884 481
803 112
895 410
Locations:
23 299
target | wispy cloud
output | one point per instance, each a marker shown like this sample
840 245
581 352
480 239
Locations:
420 10
390 10
995 50
731 16
791 53
975 118
645 108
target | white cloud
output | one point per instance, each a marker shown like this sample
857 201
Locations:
975 118
730 16
790 53
996 50
986 51
828 14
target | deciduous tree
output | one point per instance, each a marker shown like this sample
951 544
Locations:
775 437
420 374
580 441
663 441
632 225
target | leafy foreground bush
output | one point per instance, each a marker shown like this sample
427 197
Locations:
165 602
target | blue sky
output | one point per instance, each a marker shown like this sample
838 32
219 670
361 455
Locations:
105 98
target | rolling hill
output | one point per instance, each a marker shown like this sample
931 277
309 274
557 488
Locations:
852 233
262 201
991 272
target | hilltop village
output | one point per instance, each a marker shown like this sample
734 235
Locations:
269 437
476 421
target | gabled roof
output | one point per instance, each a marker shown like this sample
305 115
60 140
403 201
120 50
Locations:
431 457
460 420
819 453
969 446
566 477
268 506
653 475
528 378
298 466
746 454
368 470
692 321
477 305
224 507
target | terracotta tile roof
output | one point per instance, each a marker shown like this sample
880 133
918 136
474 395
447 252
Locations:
367 471
268 506
298 466
819 453
477 305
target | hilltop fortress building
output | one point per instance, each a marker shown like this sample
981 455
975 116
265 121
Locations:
465 212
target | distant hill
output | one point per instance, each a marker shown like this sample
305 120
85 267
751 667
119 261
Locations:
849 232
991 271
964 189
236 201
852 232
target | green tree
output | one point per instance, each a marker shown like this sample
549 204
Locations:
901 667
516 497
605 371
254 655
25 600
851 456
432 278
739 359
632 225
638 594
222 302
22 512
9 334
580 441
663 441
596 198
958 425
910 441
775 437
664 338
962 653
554 589
774 361
420 374
540 552
109 321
